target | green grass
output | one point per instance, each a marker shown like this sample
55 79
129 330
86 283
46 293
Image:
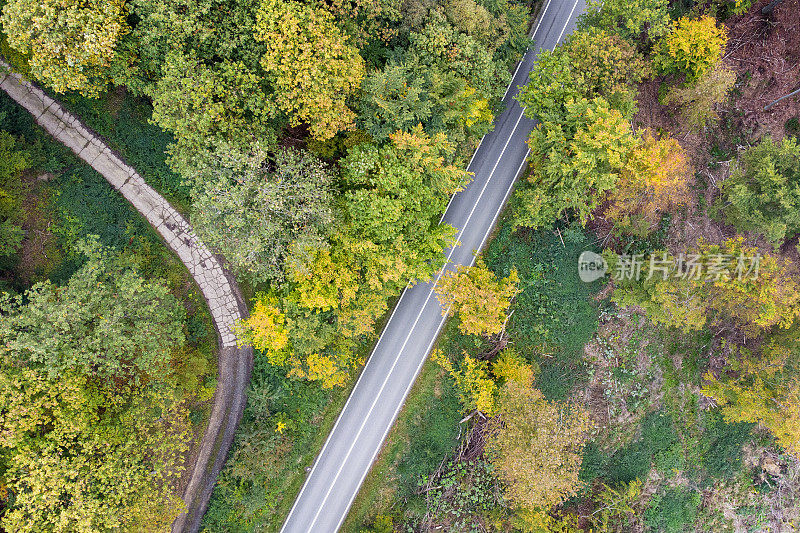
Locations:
124 122
554 315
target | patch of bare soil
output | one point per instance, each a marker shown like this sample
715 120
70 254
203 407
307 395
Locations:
624 382
764 50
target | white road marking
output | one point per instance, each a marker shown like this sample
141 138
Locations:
430 344
411 330
397 306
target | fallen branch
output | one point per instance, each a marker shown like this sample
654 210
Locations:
781 98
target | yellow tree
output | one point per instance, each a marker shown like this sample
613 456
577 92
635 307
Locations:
476 387
692 48
654 181
763 389
480 299
535 446
725 284
313 67
768 297
71 45
265 329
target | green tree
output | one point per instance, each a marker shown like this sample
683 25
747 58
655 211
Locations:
440 45
92 432
393 197
395 194
311 65
256 211
478 297
535 446
71 45
590 63
401 97
603 64
215 112
629 18
576 158
693 48
106 321
763 192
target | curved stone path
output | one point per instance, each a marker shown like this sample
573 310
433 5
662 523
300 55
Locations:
219 288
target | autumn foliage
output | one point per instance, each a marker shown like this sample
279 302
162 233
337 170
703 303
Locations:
478 297
692 48
536 445
653 182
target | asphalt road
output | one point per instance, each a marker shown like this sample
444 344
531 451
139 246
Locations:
398 356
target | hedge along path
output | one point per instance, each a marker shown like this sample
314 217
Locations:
218 287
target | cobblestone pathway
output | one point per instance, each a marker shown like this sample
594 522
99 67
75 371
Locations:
218 287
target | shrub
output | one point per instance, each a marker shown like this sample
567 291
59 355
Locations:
674 511
763 192
698 101
692 48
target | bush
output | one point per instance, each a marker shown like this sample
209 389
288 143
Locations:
722 445
763 192
674 511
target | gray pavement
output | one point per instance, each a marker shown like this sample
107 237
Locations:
219 288
398 356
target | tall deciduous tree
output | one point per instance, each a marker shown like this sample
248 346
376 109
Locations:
763 193
71 44
258 210
763 388
629 18
742 288
401 97
653 182
692 48
215 112
535 446
478 297
311 64
106 321
590 63
576 157
92 433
